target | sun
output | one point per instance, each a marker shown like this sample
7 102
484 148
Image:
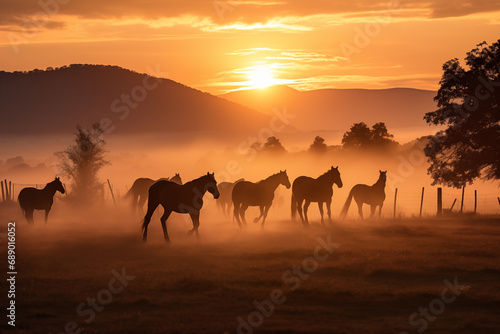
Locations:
260 76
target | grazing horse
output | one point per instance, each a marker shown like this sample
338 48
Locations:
140 188
224 202
260 194
31 199
314 190
187 198
371 195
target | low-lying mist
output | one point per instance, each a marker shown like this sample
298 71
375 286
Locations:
157 157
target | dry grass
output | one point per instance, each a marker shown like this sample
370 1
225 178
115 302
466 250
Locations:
382 272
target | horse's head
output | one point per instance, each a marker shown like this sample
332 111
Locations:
58 185
176 178
283 178
336 176
382 176
211 185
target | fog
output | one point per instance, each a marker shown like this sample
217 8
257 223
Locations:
158 156
383 268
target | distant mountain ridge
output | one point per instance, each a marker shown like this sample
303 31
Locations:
338 109
55 100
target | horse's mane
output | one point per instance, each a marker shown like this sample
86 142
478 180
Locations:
322 176
195 180
49 184
267 178
379 181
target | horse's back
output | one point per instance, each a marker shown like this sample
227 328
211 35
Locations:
368 194
240 189
143 182
32 198
310 188
302 182
164 190
251 193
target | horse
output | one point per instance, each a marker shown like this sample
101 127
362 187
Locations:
259 194
140 188
314 190
173 197
372 195
224 202
31 199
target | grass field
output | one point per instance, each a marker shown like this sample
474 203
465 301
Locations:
381 276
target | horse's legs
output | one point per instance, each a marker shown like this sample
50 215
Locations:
266 210
320 206
29 216
329 210
299 209
134 202
261 214
147 218
195 217
47 215
223 206
236 213
142 200
380 210
228 212
163 221
360 209
243 208
373 207
306 207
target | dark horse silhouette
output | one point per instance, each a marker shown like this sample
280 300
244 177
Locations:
314 190
187 198
31 199
140 188
260 194
371 195
225 202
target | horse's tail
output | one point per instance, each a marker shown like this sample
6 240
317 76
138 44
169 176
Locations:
20 201
294 207
144 224
236 210
129 193
343 213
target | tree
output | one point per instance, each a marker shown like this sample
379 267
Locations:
82 160
318 146
273 145
360 136
468 103
357 137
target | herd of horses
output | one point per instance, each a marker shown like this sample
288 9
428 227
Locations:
187 198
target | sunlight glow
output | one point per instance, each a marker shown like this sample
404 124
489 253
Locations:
260 76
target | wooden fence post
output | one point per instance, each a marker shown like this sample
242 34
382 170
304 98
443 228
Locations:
111 190
462 204
395 201
7 197
440 202
475 201
422 202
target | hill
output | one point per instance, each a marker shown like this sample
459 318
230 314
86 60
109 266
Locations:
338 109
55 100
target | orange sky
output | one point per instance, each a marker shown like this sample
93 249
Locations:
223 45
